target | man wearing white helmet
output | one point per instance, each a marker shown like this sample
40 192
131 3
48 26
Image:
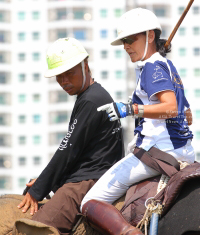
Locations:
160 108
91 146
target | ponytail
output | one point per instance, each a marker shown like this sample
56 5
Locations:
160 44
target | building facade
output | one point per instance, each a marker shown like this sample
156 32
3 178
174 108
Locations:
34 111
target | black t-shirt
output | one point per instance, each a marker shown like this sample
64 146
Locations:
91 146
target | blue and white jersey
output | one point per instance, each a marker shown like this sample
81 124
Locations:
155 75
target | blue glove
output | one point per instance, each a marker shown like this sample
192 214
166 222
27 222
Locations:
116 111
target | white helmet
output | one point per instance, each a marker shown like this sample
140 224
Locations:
64 54
135 21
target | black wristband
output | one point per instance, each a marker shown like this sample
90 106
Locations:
129 109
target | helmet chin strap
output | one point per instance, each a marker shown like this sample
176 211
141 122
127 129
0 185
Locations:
146 45
84 77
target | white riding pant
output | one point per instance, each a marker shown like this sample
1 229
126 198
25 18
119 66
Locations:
129 170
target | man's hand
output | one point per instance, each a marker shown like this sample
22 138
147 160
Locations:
29 201
116 111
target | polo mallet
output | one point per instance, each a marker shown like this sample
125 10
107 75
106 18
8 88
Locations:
178 24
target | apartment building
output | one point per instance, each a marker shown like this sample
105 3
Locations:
34 111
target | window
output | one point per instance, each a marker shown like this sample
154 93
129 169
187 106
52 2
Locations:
104 54
36 56
183 72
61 33
35 15
2 120
61 117
196 30
80 34
2 58
35 36
36 139
22 98
21 77
21 36
2 140
185 92
78 15
118 12
164 32
3 182
21 15
118 74
196 10
21 56
36 77
1 16
197 72
198 156
36 160
182 31
196 51
182 51
104 33
197 135
103 13
197 113
118 53
2 162
36 97
59 137
36 118
160 12
5 162
61 14
119 95
115 33
22 182
2 37
2 78
2 99
181 10
21 118
62 96
104 74
22 161
22 140
197 92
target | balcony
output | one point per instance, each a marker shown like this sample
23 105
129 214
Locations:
58 117
5 182
5 98
58 97
5 37
56 138
58 14
5 78
5 57
5 119
82 34
5 161
5 16
5 140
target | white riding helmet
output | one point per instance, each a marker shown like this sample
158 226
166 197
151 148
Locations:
64 54
135 21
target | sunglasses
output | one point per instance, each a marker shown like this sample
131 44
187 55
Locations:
128 41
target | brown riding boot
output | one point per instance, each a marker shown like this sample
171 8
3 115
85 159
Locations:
107 219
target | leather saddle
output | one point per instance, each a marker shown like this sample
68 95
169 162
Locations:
134 205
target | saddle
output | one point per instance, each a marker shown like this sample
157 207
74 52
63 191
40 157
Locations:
134 205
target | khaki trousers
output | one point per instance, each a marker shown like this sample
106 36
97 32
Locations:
61 210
